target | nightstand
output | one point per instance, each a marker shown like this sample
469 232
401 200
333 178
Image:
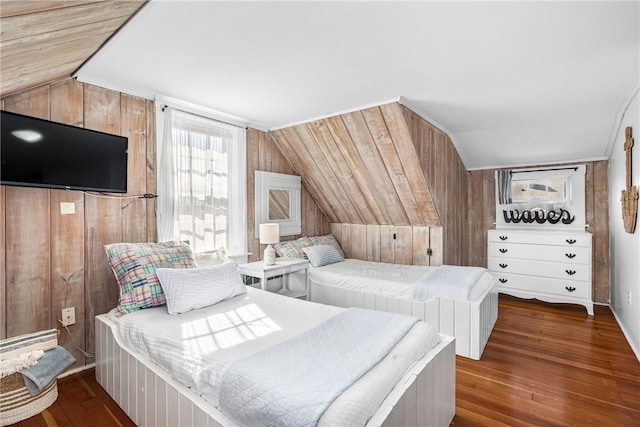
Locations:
282 267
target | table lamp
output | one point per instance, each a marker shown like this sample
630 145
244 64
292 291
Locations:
269 233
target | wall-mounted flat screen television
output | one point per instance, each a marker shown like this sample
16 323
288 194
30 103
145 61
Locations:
41 153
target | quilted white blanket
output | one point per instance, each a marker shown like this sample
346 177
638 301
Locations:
295 381
450 281
398 280
197 347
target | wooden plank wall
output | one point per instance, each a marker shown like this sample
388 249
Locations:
481 202
361 167
44 41
393 244
51 261
447 179
264 155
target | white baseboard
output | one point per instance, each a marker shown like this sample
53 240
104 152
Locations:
626 335
76 370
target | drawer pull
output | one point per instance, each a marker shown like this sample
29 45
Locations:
570 256
570 288
502 280
570 272
571 241
502 265
503 237
503 250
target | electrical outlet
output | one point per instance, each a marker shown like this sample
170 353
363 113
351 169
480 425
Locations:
68 316
629 297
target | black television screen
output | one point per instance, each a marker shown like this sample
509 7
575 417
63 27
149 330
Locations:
41 153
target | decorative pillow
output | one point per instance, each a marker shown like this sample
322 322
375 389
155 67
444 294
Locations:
193 288
320 255
134 265
211 258
292 248
328 239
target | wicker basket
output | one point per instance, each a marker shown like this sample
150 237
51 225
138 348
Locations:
16 403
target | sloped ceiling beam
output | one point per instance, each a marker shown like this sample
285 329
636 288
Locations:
45 41
361 167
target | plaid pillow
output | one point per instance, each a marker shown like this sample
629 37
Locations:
326 240
292 248
134 265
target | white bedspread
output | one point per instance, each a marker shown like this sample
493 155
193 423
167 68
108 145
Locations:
390 280
197 347
448 281
379 278
274 388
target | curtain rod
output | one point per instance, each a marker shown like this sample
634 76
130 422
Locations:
164 106
545 170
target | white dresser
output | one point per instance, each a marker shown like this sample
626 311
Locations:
546 265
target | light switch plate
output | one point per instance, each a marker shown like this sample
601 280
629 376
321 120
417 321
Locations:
67 208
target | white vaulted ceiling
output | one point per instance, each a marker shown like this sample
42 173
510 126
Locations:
511 82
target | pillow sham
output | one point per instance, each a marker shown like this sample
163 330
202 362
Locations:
211 258
327 239
320 255
193 288
292 248
134 266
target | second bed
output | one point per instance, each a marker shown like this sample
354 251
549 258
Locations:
390 287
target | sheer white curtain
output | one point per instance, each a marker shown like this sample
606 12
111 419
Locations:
201 178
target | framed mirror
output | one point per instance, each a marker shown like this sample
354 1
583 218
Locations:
277 200
541 198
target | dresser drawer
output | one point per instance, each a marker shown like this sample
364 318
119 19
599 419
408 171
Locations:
574 255
565 288
558 270
537 238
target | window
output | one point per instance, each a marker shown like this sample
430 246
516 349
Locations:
543 192
545 198
202 183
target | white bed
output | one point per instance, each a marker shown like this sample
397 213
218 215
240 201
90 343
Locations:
389 287
421 394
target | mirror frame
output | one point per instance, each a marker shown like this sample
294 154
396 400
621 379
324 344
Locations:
265 181
575 174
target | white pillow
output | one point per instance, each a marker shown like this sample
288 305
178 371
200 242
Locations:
320 255
188 289
211 258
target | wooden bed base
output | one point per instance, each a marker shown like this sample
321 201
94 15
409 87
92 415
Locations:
425 396
470 322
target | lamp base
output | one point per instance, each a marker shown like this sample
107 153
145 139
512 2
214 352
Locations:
269 255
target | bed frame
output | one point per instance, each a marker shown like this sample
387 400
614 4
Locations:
425 395
470 322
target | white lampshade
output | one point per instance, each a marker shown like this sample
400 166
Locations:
269 233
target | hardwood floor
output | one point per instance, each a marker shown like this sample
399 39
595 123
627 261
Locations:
82 402
550 365
544 365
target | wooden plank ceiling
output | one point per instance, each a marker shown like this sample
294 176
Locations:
44 41
361 167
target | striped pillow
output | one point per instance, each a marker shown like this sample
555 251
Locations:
328 239
134 265
320 255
